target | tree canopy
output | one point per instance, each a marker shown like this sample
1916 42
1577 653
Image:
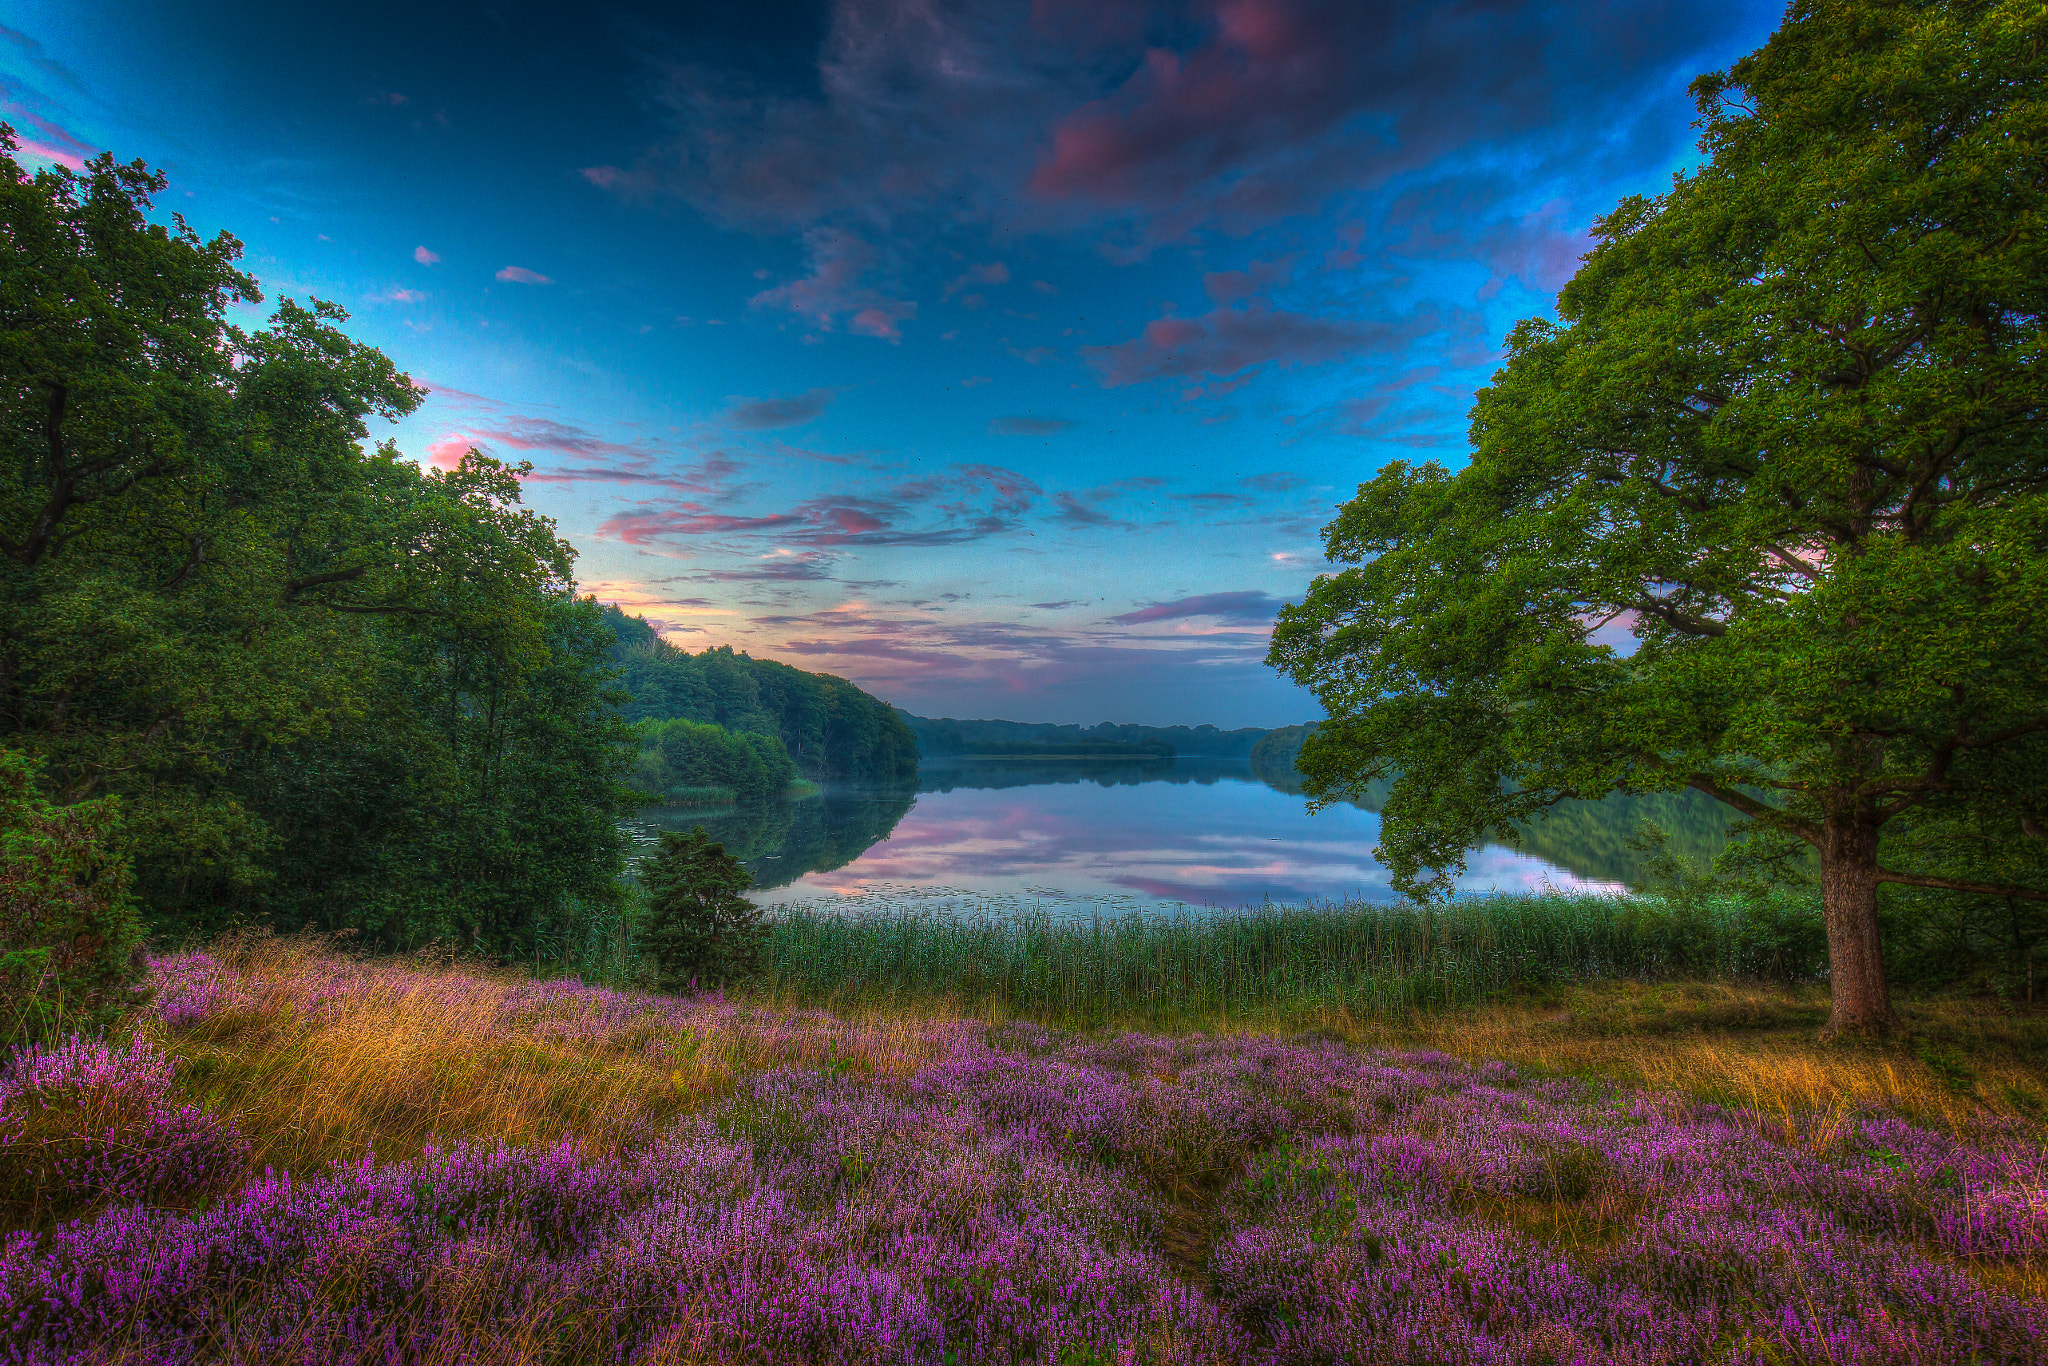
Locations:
831 729
326 686
1763 512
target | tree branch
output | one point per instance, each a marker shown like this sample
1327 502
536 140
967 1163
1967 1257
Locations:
1677 620
298 586
1949 884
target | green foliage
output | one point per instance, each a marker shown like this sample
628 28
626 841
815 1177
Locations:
829 728
71 954
698 928
1368 958
683 760
781 841
1788 429
944 737
331 688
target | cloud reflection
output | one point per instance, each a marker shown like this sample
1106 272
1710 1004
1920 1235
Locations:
1232 842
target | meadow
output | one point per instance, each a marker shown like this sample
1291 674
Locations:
304 1156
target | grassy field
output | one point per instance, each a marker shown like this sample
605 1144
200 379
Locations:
489 1168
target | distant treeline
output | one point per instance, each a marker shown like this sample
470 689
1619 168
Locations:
945 737
1079 749
829 728
688 763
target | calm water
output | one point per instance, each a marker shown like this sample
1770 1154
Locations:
1189 831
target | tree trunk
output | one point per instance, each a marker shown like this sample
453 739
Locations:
1861 1002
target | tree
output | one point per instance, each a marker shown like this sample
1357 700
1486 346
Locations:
1787 433
699 927
70 945
328 686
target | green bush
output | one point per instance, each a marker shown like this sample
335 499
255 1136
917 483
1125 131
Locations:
699 930
71 952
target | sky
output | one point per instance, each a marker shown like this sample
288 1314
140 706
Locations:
1004 356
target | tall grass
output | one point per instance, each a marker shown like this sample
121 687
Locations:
1356 957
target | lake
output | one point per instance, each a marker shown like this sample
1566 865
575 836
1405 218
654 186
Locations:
1141 835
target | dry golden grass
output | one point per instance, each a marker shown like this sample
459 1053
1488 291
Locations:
404 1054
400 1054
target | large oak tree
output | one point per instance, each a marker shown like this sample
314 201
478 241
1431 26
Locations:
1787 431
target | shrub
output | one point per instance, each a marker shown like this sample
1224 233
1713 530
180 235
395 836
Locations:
71 951
84 1123
699 927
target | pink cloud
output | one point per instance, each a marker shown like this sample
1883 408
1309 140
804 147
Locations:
1228 340
881 322
426 257
447 453
1231 286
593 460
522 276
43 151
965 503
1270 71
838 262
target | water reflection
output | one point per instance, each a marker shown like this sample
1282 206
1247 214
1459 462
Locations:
1204 832
782 841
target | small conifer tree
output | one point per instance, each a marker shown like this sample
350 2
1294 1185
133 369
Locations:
71 954
699 928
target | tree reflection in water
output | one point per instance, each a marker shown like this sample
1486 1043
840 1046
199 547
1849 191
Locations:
781 841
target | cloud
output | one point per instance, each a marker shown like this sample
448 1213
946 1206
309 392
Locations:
1278 481
592 459
1232 286
520 275
1056 606
1019 425
880 320
764 414
1228 340
1072 511
425 257
399 296
390 99
839 261
1157 121
1247 608
963 504
994 273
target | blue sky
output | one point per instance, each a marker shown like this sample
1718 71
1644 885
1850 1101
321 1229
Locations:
1006 358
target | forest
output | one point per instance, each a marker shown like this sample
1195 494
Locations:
944 737
829 728
255 670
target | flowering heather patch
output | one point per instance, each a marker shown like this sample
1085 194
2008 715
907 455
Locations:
948 1191
84 1123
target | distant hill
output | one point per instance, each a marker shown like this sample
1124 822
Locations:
945 737
832 729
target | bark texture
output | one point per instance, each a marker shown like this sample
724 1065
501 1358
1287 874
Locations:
1860 1000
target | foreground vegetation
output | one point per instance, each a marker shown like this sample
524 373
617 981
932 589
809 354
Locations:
1365 958
305 1156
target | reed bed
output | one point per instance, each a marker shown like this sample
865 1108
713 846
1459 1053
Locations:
1082 967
